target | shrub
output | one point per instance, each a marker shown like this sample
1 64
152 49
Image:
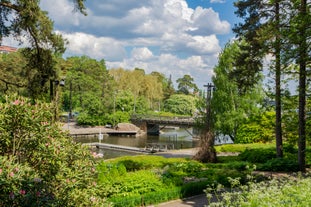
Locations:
132 183
280 164
257 155
133 163
39 151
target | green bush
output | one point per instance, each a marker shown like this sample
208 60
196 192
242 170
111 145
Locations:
92 120
280 165
133 163
131 183
257 155
49 168
109 172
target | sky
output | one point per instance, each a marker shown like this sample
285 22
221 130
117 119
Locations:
173 37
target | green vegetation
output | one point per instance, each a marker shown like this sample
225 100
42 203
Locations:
40 163
41 166
152 179
283 191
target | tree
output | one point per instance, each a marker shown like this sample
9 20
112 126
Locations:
141 85
12 75
88 86
231 108
25 18
185 85
300 26
287 21
262 29
180 104
248 64
167 84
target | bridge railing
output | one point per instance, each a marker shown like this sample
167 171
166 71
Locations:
164 120
161 118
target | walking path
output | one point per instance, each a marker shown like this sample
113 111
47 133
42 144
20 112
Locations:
194 201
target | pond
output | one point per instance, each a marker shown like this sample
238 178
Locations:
178 137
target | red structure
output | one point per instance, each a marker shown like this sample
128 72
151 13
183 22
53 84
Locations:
7 49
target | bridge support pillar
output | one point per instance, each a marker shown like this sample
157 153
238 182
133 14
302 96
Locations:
153 129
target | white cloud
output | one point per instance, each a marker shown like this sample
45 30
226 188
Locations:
206 21
141 53
205 44
98 48
156 35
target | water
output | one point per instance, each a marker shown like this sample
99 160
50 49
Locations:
178 137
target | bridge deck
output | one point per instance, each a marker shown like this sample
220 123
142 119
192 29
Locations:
165 120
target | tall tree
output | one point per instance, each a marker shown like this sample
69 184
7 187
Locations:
230 108
301 31
248 64
88 85
25 18
186 84
167 84
262 29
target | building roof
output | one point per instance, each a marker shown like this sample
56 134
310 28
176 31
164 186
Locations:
7 49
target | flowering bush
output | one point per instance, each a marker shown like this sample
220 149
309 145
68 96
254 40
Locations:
40 164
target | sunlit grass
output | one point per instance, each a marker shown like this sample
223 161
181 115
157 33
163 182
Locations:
242 147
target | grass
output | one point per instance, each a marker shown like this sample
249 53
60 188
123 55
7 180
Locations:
242 147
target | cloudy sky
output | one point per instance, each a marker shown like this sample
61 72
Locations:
173 37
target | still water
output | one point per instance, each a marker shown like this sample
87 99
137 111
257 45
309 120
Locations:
179 138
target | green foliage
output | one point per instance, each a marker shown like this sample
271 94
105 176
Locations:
257 155
146 90
242 147
148 198
21 186
181 104
286 192
127 184
186 85
41 160
176 172
133 163
142 180
88 88
230 105
257 129
279 165
101 120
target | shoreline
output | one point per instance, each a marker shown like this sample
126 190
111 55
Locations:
72 128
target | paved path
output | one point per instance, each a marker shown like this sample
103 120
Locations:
195 201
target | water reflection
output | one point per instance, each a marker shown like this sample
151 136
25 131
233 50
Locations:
179 137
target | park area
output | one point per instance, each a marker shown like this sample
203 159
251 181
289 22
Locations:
42 166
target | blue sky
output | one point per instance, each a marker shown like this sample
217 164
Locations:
173 37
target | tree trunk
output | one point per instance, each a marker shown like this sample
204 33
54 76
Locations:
303 56
206 152
278 107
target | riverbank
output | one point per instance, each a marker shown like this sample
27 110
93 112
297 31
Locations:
72 128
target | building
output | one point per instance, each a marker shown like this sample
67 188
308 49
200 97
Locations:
7 49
